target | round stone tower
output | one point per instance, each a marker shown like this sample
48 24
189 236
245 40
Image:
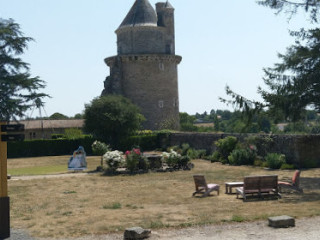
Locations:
145 69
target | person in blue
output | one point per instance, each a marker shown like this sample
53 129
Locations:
78 160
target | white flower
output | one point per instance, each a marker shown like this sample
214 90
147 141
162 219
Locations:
114 158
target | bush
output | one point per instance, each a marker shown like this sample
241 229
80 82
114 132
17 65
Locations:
275 160
100 148
309 163
196 154
135 160
262 143
171 158
175 160
287 166
144 141
114 159
224 147
242 156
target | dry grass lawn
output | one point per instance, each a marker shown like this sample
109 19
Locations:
95 204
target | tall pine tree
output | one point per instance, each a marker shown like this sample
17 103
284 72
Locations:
18 90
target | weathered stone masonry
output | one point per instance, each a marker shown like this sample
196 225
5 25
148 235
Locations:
145 69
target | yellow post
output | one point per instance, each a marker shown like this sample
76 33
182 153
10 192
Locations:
4 199
3 169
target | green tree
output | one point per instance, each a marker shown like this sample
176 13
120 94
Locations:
293 84
58 116
186 122
216 123
18 90
78 116
291 7
112 118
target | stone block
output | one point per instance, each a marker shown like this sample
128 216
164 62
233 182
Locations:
281 221
136 233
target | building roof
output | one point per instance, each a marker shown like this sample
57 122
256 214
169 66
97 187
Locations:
141 14
52 124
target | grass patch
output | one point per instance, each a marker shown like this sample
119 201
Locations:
107 204
45 165
112 206
237 218
41 170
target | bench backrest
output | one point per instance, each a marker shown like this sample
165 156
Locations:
251 183
200 181
260 183
296 178
268 183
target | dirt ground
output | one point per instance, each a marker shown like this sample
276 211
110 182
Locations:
306 228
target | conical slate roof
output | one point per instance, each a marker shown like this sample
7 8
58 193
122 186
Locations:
141 14
168 5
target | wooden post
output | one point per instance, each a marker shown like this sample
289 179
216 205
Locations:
4 199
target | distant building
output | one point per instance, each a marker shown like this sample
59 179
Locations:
43 129
145 69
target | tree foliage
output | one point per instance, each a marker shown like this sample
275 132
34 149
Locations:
58 116
18 90
293 84
112 118
291 7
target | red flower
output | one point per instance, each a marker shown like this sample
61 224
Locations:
136 151
127 152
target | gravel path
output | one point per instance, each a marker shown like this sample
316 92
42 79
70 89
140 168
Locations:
306 228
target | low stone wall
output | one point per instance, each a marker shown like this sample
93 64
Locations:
301 150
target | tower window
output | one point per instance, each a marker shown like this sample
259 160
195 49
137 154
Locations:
168 49
175 102
160 104
161 66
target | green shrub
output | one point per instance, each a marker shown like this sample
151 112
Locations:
183 162
174 159
145 142
287 166
216 157
275 160
309 163
242 156
225 146
258 162
100 148
196 154
262 143
188 127
135 160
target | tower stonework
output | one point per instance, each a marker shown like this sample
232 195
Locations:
145 68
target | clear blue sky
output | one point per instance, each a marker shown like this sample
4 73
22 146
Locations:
221 42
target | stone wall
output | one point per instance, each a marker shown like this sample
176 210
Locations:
301 150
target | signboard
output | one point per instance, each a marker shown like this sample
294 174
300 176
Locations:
12 137
12 128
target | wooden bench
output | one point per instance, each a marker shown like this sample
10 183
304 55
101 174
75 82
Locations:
259 185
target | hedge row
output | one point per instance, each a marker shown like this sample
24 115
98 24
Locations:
52 147
56 147
146 142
